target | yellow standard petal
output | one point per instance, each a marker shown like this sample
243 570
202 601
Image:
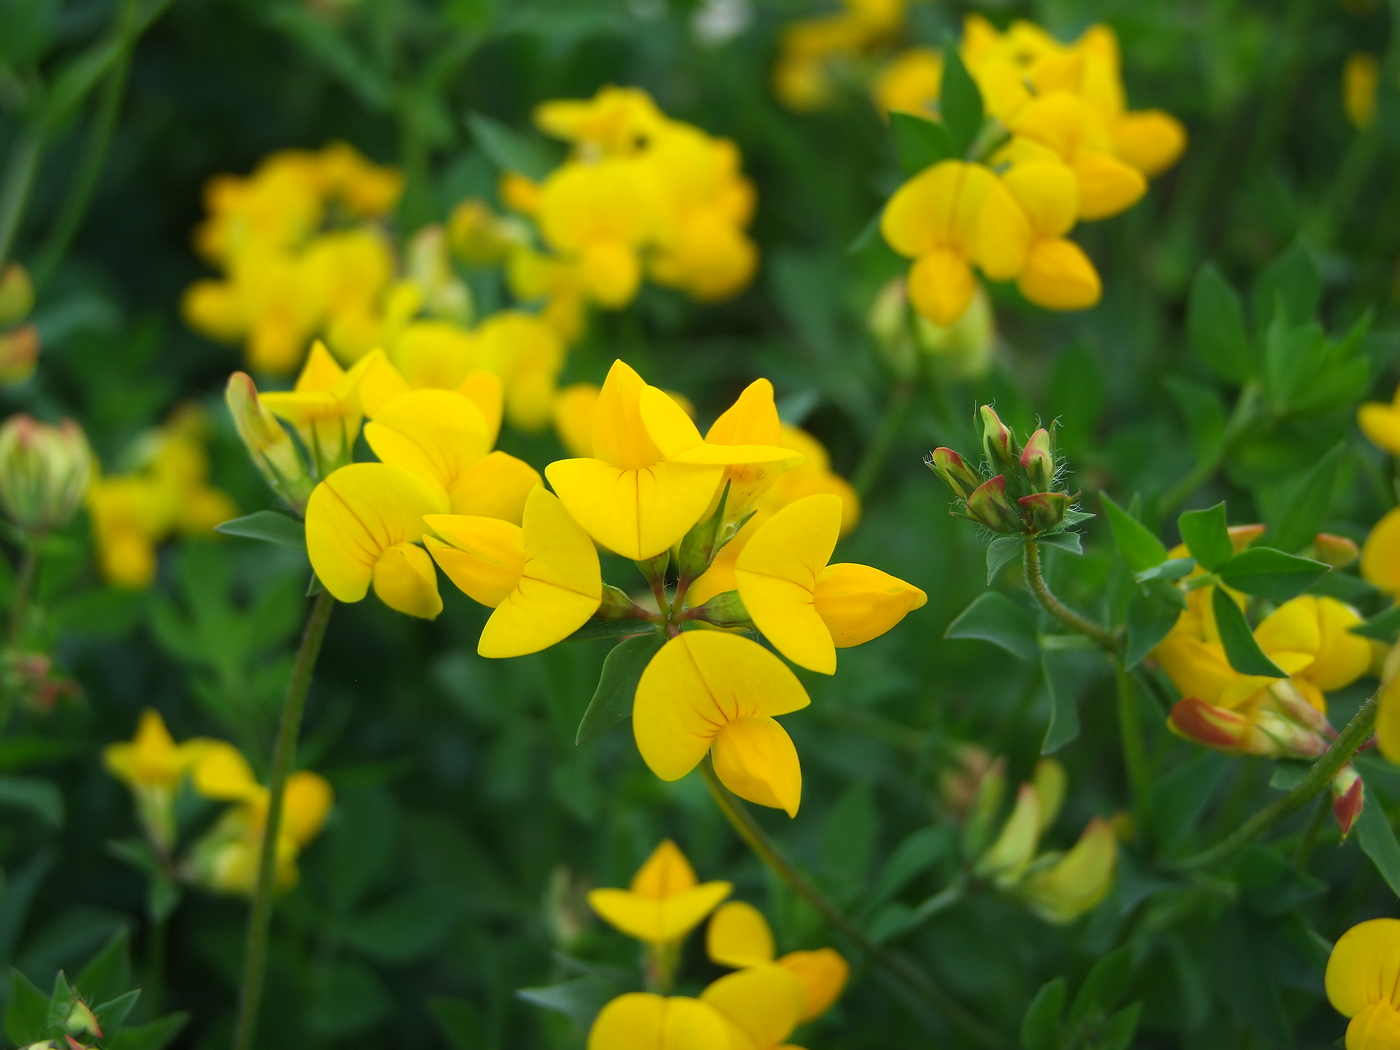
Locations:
858 603
777 576
698 683
1377 1027
495 486
739 936
664 902
357 514
823 974
1364 968
762 1005
643 1021
436 434
560 585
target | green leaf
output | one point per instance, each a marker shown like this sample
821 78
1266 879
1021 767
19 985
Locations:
1205 534
1064 710
993 617
1040 1028
1139 547
1384 627
1203 410
960 102
1180 796
153 1035
400 930
1308 506
1271 574
617 685
1271 885
459 1020
40 797
1000 552
919 851
111 1014
1377 840
579 999
848 842
27 1017
108 974
511 150
1215 324
919 143
349 999
1149 619
1065 541
1171 569
1293 279
869 235
283 530
1106 984
1288 774
1241 649
1118 1030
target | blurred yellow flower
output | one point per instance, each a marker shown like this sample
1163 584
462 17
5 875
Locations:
153 767
643 1021
739 936
665 901
1361 77
1363 975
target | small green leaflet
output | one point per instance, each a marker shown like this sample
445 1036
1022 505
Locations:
1271 574
1241 649
617 685
1140 548
268 526
995 618
1205 534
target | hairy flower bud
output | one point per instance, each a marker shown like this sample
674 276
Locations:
16 295
272 450
1038 461
81 1020
1348 797
44 472
1046 509
953 469
989 506
998 442
19 354
1336 551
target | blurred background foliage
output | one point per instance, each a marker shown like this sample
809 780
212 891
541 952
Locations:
467 821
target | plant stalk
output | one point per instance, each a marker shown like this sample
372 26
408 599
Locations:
24 591
868 471
1035 579
284 751
1346 745
1134 744
908 974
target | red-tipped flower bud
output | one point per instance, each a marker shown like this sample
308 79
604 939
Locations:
1348 796
19 354
1038 461
988 504
270 446
16 295
1046 509
44 472
953 469
1336 551
997 440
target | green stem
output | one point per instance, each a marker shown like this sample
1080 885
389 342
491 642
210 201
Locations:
1134 744
1318 779
24 591
19 180
1035 579
151 993
260 915
868 472
910 975
1314 827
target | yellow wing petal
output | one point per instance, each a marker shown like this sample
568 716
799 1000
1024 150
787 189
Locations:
223 773
305 805
404 580
435 434
484 557
1107 185
1059 276
1364 966
739 936
643 1021
486 391
763 1003
858 603
1377 1027
823 974
755 758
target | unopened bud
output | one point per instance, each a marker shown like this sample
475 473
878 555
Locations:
44 472
989 506
1218 728
1348 797
1241 536
272 450
986 802
962 350
16 295
997 440
81 1020
444 294
953 469
1038 461
618 605
889 325
1046 509
19 354
959 784
1336 551
723 610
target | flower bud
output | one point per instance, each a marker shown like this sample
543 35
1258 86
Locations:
1336 551
1348 797
1046 509
618 605
16 295
962 350
1011 853
44 472
19 354
989 506
1218 728
81 1020
1038 461
1241 536
723 610
272 450
959 784
888 324
953 469
998 442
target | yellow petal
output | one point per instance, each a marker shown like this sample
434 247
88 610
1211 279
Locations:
658 920
762 1005
380 384
573 418
404 580
483 556
305 805
777 574
919 217
698 682
668 426
756 759
611 273
637 513
619 436
1012 851
1364 967
858 603
739 936
1076 882
642 1021
1059 276
1107 185
1049 781
320 372
223 773
434 355
1380 554
359 512
1150 140
1002 233
561 583
435 434
1049 194
823 974
1381 425
941 286
665 873
486 391
495 486
1377 1027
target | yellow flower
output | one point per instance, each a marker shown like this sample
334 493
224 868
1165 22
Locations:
528 354
643 1021
362 526
1057 274
910 82
651 476
479 237
1361 77
1363 975
806 607
1380 423
1380 554
1318 630
711 692
367 190
617 120
443 438
738 936
600 214
761 1006
1063 887
153 766
542 577
572 413
324 407
665 901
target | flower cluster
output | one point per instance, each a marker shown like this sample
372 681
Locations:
1060 146
651 485
165 491
1024 497
299 254
816 54
759 1005
640 193
226 857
